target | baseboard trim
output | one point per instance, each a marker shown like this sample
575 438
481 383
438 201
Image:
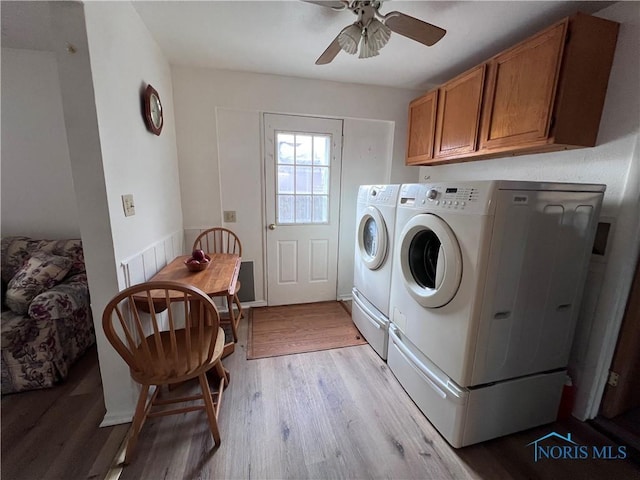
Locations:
256 303
111 419
345 298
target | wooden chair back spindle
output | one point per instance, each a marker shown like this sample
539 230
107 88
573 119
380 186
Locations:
218 240
223 240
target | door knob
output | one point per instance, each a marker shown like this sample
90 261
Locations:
272 226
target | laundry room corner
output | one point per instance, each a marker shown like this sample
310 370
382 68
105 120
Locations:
613 162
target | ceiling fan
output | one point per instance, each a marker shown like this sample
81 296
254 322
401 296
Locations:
371 31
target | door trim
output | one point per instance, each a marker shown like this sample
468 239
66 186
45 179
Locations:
337 150
618 400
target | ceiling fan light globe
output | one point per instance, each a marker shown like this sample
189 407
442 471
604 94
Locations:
349 38
378 33
367 50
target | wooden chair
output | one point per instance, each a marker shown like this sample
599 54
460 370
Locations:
167 346
223 240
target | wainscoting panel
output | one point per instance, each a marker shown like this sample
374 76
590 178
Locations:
134 271
149 263
142 266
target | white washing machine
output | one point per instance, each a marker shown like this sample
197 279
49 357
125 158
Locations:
375 222
487 282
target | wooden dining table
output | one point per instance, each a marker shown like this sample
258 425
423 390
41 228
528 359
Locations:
217 280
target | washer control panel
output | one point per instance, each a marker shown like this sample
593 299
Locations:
466 197
452 197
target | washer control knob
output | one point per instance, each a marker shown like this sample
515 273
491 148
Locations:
432 194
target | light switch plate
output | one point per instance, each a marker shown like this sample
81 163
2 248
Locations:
229 216
127 205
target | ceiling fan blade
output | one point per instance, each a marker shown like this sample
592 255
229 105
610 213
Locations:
335 4
413 28
330 53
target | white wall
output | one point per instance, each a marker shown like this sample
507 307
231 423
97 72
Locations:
240 187
124 59
38 199
367 146
218 124
614 162
112 153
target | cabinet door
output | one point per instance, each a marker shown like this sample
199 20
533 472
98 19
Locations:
459 114
521 90
422 121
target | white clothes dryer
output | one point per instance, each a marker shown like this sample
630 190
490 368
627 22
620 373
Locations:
486 286
375 222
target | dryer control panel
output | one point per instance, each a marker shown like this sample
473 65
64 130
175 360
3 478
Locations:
379 194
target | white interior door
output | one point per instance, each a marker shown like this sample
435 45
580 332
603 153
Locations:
302 187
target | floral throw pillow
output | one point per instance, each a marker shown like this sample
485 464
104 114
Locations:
41 272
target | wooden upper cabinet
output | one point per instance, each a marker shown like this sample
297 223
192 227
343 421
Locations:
422 121
459 114
521 90
544 94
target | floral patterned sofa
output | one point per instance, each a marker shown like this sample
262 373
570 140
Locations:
46 313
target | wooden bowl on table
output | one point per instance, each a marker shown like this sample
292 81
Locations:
195 266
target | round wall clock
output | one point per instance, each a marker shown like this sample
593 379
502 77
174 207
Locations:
153 110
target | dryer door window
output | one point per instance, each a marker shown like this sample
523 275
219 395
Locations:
430 260
372 238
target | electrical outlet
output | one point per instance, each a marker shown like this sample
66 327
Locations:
127 205
229 216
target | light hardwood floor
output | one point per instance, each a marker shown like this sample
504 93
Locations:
338 414
332 414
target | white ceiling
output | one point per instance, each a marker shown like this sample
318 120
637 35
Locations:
286 37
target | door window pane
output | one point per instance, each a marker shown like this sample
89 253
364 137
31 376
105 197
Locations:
303 209
286 148
303 180
285 209
304 149
321 180
302 189
320 209
285 179
321 149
